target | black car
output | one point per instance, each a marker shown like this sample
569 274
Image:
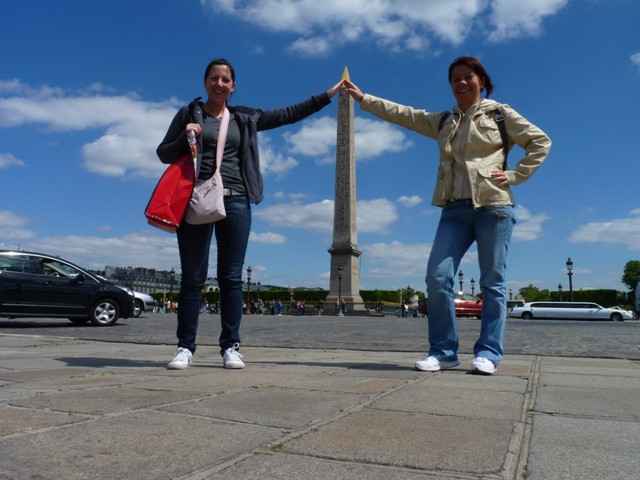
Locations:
39 285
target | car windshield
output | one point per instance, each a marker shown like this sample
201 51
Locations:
465 297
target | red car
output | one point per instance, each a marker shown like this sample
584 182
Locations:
467 305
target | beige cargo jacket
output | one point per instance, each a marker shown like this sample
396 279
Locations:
477 146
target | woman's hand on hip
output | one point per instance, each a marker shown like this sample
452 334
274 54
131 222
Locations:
500 178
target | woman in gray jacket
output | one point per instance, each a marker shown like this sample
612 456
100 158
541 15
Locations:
473 189
241 177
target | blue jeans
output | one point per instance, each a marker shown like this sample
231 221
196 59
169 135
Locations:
460 225
194 242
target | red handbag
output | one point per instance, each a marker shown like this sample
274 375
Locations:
171 196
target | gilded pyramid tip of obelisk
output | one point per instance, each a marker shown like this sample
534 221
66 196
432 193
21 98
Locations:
345 74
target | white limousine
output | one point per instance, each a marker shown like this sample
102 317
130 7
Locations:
569 311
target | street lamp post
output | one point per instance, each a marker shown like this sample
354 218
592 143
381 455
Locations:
473 287
340 313
460 277
570 273
249 288
560 290
172 277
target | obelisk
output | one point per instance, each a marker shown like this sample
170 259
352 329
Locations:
345 281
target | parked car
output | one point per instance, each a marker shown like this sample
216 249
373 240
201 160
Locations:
39 285
143 303
569 311
467 305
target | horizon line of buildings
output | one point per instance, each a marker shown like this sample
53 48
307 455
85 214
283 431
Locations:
151 280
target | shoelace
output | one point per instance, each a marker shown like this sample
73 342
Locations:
234 354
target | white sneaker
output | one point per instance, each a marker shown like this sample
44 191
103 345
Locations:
232 357
182 359
483 366
432 364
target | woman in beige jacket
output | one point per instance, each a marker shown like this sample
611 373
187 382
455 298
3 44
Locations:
473 187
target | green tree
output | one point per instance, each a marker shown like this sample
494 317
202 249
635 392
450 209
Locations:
631 274
532 294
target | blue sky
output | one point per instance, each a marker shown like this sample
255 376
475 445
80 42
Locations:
87 91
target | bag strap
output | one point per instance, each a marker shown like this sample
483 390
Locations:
222 137
443 119
499 118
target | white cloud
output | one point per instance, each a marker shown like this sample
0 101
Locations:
9 219
14 227
618 231
393 263
511 19
376 216
635 59
268 238
7 160
149 249
410 202
315 138
398 255
528 226
321 26
373 216
376 137
314 217
272 162
316 47
123 147
16 87
392 24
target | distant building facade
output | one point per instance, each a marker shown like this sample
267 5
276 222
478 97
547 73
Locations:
150 280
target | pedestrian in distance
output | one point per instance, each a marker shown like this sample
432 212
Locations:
473 188
243 183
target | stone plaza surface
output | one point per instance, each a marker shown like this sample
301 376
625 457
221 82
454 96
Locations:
75 408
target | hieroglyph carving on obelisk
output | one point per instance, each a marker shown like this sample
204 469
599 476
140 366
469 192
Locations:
344 251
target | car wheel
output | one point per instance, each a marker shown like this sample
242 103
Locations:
616 317
526 316
79 321
104 313
138 308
